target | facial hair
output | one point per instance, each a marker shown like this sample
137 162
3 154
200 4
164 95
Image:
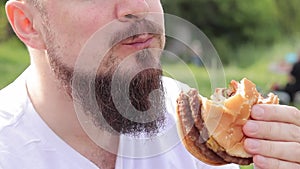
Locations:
127 109
143 114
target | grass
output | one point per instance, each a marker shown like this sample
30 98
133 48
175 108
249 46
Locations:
13 60
257 71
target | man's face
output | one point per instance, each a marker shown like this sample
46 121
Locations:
67 27
71 23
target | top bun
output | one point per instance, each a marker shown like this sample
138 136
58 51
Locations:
224 116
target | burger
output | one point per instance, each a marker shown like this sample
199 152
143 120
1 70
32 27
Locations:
211 129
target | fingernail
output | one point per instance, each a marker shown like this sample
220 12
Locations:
257 112
251 126
252 144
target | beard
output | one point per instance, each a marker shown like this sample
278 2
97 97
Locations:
124 105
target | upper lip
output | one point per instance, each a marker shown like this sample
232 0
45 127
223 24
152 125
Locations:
138 39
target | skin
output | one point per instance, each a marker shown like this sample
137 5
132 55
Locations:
70 28
274 136
277 130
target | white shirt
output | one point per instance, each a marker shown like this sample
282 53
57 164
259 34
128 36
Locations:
26 142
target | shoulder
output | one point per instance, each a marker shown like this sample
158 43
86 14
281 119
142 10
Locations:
172 89
11 112
172 86
15 135
13 99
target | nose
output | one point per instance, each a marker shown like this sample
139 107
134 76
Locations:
132 10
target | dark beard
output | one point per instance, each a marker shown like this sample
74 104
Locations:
133 111
120 108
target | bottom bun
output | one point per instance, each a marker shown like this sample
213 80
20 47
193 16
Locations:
197 152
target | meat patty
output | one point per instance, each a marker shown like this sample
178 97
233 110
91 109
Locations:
191 131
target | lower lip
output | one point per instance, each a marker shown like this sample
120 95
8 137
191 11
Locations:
140 45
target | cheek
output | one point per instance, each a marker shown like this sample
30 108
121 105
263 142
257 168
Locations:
78 27
74 27
155 6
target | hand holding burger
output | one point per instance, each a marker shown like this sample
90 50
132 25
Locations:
274 136
212 129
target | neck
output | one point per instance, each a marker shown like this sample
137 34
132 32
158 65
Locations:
56 108
50 100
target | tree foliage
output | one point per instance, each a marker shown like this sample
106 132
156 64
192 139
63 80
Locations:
3 21
229 24
6 31
288 16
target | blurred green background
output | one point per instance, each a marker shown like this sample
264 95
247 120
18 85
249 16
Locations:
249 36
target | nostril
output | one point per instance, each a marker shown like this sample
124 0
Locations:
131 16
132 10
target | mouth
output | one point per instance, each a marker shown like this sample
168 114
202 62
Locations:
139 42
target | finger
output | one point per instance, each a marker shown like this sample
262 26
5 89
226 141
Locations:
261 162
279 113
272 131
288 151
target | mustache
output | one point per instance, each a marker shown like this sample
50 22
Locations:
137 28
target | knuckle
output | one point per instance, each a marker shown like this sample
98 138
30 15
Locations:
271 163
295 133
269 131
274 150
271 149
268 148
295 115
278 164
296 166
297 151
